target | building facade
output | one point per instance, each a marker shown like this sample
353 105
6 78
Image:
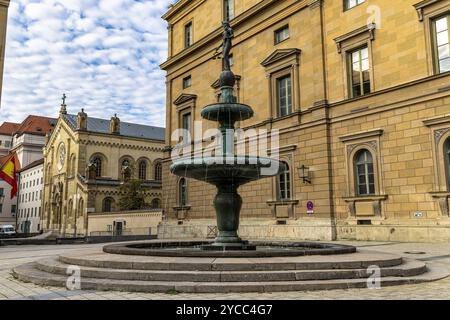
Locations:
86 161
26 140
29 204
359 91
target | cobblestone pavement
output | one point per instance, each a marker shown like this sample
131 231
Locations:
11 288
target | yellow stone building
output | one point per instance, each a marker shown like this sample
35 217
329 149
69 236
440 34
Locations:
360 91
86 160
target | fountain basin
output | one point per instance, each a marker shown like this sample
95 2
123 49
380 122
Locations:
263 249
231 112
237 170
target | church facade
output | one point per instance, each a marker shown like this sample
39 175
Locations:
87 159
359 91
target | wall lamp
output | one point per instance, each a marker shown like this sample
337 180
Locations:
304 174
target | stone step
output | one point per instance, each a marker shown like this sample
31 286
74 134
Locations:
359 260
408 269
30 273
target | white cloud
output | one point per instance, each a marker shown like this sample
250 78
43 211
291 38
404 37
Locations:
104 54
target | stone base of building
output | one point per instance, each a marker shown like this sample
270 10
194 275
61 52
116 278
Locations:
255 229
313 229
430 231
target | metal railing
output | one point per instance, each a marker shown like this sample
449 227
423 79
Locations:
124 232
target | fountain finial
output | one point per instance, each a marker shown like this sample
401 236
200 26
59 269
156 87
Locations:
227 78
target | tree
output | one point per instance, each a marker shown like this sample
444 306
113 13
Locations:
132 196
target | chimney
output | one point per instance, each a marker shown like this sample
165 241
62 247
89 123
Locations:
82 119
114 125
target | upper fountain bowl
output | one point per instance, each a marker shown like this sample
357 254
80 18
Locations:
227 111
237 170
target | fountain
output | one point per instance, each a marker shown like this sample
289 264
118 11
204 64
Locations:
205 266
227 172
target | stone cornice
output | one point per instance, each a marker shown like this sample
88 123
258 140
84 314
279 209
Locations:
421 5
122 145
216 34
438 120
362 135
4 3
280 54
184 97
369 29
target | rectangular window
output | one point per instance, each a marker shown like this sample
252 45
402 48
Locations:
187 82
442 43
281 34
284 90
1 207
186 123
348 4
188 39
228 10
7 144
13 209
359 72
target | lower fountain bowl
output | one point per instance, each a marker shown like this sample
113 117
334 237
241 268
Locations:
262 249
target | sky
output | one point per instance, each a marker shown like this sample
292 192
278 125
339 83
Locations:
103 54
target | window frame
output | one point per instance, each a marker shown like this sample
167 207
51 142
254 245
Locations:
183 192
435 49
347 6
188 42
366 163
186 85
447 161
349 67
142 172
288 97
98 169
287 183
278 31
158 171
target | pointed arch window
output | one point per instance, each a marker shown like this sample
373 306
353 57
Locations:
158 171
98 166
107 204
365 177
156 203
143 170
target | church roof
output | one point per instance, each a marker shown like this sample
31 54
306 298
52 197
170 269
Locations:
126 128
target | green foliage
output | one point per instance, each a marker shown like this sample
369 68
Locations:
132 196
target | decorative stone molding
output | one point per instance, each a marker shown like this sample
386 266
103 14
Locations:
369 30
362 135
312 4
375 200
281 54
443 199
421 5
183 98
283 209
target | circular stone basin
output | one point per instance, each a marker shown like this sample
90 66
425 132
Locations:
227 111
236 170
264 249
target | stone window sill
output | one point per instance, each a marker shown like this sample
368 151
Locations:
366 198
282 202
181 208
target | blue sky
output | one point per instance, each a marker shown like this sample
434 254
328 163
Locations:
104 54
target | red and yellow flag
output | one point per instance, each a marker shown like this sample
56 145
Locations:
8 169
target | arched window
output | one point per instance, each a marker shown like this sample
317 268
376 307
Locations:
98 166
73 165
81 208
156 203
447 161
143 170
365 178
182 187
107 204
126 169
158 171
284 184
